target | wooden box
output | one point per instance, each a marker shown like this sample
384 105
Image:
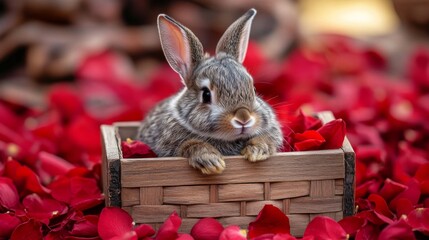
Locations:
302 184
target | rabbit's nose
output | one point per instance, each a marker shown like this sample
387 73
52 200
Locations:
242 118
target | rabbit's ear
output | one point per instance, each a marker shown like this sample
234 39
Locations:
236 38
181 47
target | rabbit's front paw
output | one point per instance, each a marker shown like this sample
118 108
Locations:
202 156
257 150
208 162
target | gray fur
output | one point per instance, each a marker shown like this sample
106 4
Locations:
183 117
164 133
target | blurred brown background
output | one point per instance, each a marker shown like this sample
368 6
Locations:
44 41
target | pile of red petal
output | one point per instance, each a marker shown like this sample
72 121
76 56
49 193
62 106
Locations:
270 224
50 157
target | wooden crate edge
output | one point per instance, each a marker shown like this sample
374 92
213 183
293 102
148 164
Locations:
110 166
349 179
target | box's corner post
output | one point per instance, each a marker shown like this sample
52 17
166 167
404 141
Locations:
349 178
111 166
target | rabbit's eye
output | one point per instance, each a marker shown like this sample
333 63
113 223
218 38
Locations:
206 95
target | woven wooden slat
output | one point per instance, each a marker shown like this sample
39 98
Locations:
282 190
322 188
187 224
334 215
151 195
298 223
339 186
130 196
240 192
231 209
316 205
187 195
153 213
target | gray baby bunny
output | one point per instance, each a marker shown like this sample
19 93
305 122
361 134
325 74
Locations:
217 113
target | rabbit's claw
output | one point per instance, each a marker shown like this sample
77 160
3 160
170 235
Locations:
208 163
256 152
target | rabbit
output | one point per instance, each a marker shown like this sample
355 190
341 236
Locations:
217 113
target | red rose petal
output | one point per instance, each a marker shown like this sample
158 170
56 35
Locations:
104 66
207 229
422 173
80 192
400 175
363 189
47 126
24 178
169 228
426 203
53 165
351 224
9 135
367 232
375 59
334 133
7 224
418 66
42 209
162 76
309 134
29 230
312 123
61 189
84 133
9 118
232 233
267 236
86 227
370 153
85 193
324 228
361 170
424 187
66 100
306 145
184 236
380 205
298 123
418 219
407 162
390 189
115 223
136 149
9 198
269 220
403 207
397 230
374 217
281 236
144 230
412 193
308 140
